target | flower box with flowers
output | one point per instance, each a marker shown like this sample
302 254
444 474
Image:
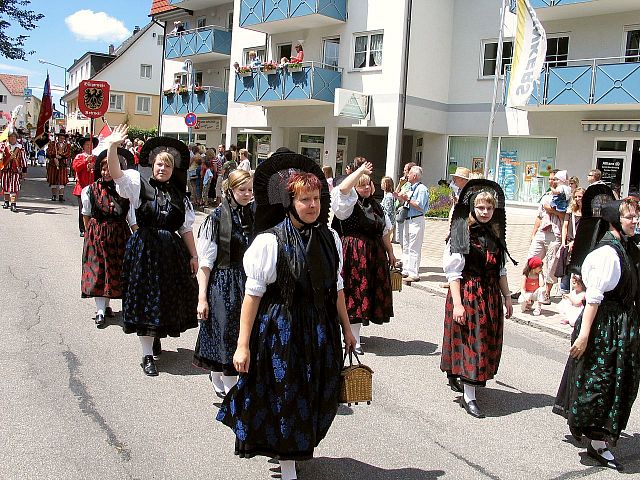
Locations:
244 71
270 68
198 90
168 93
183 91
294 66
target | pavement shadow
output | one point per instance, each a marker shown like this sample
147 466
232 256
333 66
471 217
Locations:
391 347
178 363
348 468
344 410
500 403
32 210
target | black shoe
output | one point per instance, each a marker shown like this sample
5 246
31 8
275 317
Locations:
577 436
157 347
100 321
471 408
597 455
149 366
456 385
5 205
109 312
61 198
14 208
54 198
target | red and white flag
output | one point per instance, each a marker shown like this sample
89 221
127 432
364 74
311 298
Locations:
104 133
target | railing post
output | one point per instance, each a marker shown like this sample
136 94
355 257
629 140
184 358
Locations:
592 91
311 73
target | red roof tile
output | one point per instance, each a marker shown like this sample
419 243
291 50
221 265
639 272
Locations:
159 6
14 83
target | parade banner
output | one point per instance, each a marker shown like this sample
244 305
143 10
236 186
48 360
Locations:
104 133
46 108
93 98
529 53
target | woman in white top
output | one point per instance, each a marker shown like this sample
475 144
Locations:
602 375
159 287
289 354
244 164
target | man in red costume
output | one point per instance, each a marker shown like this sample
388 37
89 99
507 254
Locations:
83 166
14 167
59 154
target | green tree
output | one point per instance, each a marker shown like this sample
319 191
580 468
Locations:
137 132
13 47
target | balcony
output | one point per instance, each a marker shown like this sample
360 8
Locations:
277 16
201 44
599 84
314 84
566 9
210 100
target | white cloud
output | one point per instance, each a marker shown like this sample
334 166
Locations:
14 69
91 26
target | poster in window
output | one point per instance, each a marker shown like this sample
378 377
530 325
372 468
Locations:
611 169
545 165
530 171
477 165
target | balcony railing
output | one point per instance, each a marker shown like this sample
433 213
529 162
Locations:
554 3
212 100
273 16
598 81
314 83
199 41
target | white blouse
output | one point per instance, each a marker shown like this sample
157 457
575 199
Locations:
128 186
601 273
260 262
453 265
343 205
207 250
86 206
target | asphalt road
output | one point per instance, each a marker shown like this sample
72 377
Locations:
74 403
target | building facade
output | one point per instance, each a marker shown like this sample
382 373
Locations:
415 83
133 71
12 94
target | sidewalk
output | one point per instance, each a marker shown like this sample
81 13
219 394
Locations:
518 238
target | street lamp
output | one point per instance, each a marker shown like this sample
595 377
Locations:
64 105
187 67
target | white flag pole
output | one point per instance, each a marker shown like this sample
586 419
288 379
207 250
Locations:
496 84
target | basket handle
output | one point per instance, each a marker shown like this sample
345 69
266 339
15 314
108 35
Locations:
351 353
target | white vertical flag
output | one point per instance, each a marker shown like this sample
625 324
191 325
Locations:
529 53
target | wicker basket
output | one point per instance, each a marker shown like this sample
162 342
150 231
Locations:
356 383
396 280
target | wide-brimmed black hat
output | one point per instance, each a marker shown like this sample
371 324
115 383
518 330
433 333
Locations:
178 150
124 155
272 198
459 235
592 226
87 138
63 133
41 141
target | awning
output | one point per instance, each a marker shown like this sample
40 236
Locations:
611 125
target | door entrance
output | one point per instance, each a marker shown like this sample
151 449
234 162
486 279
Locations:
634 178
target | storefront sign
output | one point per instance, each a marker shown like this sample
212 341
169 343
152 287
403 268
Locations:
507 174
209 124
351 104
611 169
263 148
93 98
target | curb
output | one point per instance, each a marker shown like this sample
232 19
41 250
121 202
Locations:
514 318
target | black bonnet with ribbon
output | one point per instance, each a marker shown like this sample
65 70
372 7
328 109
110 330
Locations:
124 155
592 226
178 150
459 233
273 200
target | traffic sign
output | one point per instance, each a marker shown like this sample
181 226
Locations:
190 119
93 98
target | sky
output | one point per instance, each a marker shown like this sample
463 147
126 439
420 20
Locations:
69 29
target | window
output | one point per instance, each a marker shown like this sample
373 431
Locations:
284 50
182 78
145 71
490 56
261 54
367 51
331 51
557 51
143 105
160 39
632 47
202 22
230 20
116 102
3 98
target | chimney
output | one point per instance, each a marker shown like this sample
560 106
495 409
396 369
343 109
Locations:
112 49
136 29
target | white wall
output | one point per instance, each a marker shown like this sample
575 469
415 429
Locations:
12 102
123 73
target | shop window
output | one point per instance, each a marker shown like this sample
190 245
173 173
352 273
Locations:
611 145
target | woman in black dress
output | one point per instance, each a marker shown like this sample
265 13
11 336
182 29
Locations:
160 292
106 217
222 240
602 375
368 254
474 264
289 354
